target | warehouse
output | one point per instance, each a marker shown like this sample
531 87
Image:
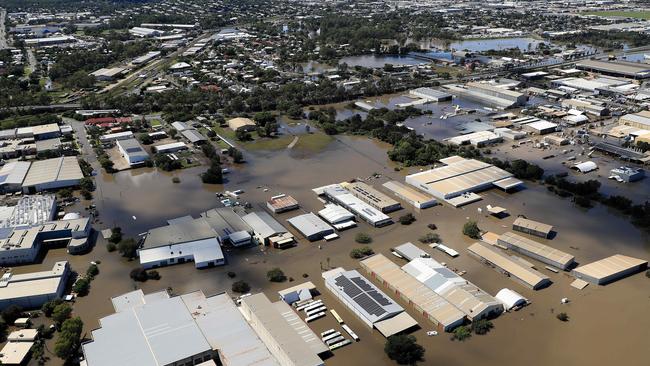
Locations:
459 176
190 240
587 106
337 216
369 214
510 298
194 136
32 290
489 94
111 137
241 123
535 250
144 32
609 269
108 74
48 131
424 300
367 302
12 176
170 148
633 70
52 174
639 120
16 353
514 267
268 231
588 85
467 297
372 196
626 173
145 58
160 329
132 151
311 226
229 226
410 195
283 332
532 227
585 167
410 251
540 127
430 94
477 139
282 203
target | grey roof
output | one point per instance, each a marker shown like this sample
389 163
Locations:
132 147
52 170
410 251
193 135
359 293
310 224
183 232
224 221
263 224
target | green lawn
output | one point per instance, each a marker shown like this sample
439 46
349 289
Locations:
313 142
621 13
155 123
309 142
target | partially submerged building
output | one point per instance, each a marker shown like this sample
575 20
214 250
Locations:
467 297
284 333
191 329
532 227
32 290
536 250
132 151
311 226
367 302
52 174
609 269
268 231
512 266
360 208
412 196
282 203
371 196
228 226
432 306
337 216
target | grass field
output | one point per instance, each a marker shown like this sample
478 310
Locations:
621 13
312 142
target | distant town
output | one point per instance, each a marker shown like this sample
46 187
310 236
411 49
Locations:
303 183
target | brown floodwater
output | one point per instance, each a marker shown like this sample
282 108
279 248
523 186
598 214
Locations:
607 324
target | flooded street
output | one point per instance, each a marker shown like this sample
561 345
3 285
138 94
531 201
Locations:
532 336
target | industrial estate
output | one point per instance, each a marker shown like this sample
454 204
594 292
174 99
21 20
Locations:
300 183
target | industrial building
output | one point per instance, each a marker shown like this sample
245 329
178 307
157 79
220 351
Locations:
337 216
467 297
632 70
284 333
112 137
477 139
510 298
372 196
430 94
108 74
301 292
311 226
536 250
425 301
540 127
514 267
609 269
190 329
132 151
489 94
145 58
241 123
282 203
170 148
49 41
639 120
587 106
532 227
268 231
228 226
410 195
15 353
12 176
626 173
367 302
367 213
194 136
460 176
144 32
52 174
179 242
32 290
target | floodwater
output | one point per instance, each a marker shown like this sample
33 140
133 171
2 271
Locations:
607 324
379 61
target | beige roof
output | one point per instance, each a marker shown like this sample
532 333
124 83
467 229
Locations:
407 193
452 159
14 353
284 202
239 122
396 324
33 284
609 266
23 335
533 225
509 264
369 194
42 129
542 250
440 310
455 169
52 170
467 181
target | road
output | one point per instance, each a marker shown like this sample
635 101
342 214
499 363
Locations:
3 36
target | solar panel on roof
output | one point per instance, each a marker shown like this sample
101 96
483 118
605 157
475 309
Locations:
379 298
369 305
348 287
133 149
361 283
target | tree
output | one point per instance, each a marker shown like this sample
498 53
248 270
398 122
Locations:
61 313
362 252
430 238
263 118
139 274
128 248
482 326
48 307
241 287
461 333
82 286
11 313
116 235
145 139
563 317
363 238
407 219
87 184
276 275
213 175
471 229
236 155
404 349
92 271
68 343
242 135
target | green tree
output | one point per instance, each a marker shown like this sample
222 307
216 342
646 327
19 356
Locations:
363 238
92 271
87 184
430 238
116 235
241 287
471 229
139 274
563 317
407 219
49 306
362 252
11 313
482 326
128 248
68 342
213 175
404 349
276 275
82 286
461 333
61 312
